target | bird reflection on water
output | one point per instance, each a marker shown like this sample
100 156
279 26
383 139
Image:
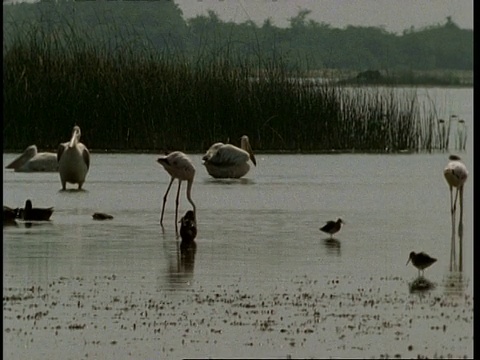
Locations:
180 271
332 245
455 283
420 284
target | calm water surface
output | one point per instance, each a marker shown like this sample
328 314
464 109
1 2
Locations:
263 281
258 238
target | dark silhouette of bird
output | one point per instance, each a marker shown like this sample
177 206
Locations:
36 214
9 215
332 227
101 216
188 227
421 261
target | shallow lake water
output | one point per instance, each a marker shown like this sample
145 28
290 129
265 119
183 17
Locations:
263 280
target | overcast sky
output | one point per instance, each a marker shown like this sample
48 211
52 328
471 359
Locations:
393 15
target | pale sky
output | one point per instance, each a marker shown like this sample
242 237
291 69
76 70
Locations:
393 15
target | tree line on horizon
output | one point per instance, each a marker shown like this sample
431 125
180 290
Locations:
304 45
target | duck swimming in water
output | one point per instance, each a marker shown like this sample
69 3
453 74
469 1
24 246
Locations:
9 215
30 213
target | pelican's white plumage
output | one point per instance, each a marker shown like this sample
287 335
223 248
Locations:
228 161
73 160
33 161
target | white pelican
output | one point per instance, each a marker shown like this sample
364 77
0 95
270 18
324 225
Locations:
456 174
228 161
73 160
32 161
180 167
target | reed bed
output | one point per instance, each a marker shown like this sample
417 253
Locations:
134 99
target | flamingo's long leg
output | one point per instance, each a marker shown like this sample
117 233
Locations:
165 199
452 244
176 205
460 231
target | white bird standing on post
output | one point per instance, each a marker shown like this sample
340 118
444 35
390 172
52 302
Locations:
225 161
73 160
456 174
180 167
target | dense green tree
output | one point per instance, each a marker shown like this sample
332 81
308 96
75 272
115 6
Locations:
305 44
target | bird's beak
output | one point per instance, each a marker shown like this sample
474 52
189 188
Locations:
252 155
19 161
408 261
72 140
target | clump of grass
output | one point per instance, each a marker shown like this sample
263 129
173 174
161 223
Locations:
128 97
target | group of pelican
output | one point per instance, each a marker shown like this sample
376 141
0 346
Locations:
72 161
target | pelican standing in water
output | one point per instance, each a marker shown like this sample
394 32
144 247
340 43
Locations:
179 166
73 160
33 161
456 174
228 161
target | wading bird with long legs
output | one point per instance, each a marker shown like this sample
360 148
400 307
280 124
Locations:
225 161
332 227
73 160
179 166
33 161
456 174
421 261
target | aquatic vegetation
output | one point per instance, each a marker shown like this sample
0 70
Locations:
128 97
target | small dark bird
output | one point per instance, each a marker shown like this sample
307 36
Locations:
421 261
9 215
101 216
332 227
188 227
36 214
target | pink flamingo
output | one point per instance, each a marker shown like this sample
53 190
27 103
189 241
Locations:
456 174
180 167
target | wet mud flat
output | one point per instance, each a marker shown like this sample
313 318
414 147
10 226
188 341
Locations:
110 317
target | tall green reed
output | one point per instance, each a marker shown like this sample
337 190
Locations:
129 97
